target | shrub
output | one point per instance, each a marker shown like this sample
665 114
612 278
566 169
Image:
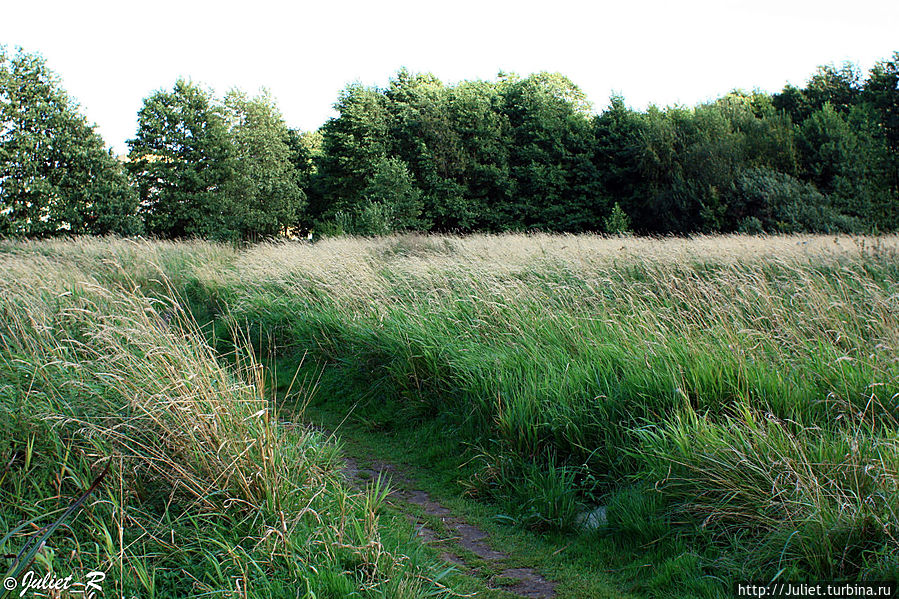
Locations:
783 204
617 223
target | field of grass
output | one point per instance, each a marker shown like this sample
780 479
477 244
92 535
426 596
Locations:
206 493
731 401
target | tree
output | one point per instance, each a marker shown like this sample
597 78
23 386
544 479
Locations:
216 169
352 145
673 144
881 93
475 109
841 88
551 154
617 223
776 202
427 140
618 142
527 153
845 158
304 147
392 186
691 159
180 159
263 195
56 175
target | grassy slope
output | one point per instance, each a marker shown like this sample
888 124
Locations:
206 494
733 396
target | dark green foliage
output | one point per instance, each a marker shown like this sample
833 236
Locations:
774 202
827 144
881 92
217 170
525 153
618 135
690 159
180 161
881 95
424 134
303 146
352 145
551 155
487 179
512 154
263 195
838 87
56 175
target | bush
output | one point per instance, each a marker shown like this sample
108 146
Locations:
783 204
369 219
618 222
393 190
751 225
373 218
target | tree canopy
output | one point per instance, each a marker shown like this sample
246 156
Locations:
56 175
214 169
528 153
513 153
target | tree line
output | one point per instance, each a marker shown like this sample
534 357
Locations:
515 153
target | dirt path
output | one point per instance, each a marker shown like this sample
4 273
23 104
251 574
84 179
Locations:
460 540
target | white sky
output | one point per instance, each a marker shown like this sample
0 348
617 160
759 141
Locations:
112 54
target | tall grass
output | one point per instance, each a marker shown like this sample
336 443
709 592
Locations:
207 493
737 390
706 370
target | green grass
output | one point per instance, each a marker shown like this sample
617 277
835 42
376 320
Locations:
206 493
732 400
592 565
722 392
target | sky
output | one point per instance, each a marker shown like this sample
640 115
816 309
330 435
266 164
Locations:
111 55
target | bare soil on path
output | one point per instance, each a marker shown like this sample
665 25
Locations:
461 543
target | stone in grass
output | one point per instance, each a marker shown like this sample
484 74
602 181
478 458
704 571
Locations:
592 519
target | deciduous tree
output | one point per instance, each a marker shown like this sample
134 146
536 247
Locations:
263 196
181 161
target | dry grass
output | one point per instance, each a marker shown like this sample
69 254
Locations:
354 262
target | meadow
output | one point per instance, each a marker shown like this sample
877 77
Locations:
730 401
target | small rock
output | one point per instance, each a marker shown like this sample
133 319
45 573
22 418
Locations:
593 519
